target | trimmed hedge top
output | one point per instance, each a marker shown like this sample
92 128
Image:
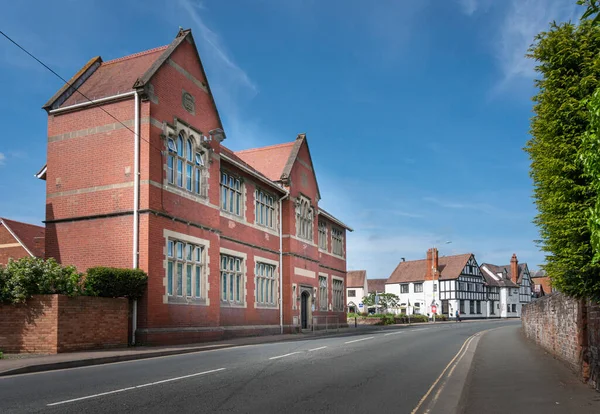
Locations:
112 282
23 278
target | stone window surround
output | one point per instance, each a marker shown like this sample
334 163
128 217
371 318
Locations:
243 195
342 290
341 232
311 214
172 131
326 291
244 290
322 225
258 259
275 207
203 301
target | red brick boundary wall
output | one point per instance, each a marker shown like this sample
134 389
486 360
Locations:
50 324
569 329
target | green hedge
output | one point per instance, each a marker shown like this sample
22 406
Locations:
112 282
20 279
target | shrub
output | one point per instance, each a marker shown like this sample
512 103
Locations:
352 315
112 282
441 317
20 279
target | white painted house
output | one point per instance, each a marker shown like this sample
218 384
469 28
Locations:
450 282
509 288
356 290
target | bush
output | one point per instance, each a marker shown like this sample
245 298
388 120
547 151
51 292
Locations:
20 279
112 282
441 317
352 315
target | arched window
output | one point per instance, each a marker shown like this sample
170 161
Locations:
304 218
185 164
189 165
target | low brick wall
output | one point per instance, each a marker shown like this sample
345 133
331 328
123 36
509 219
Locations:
51 324
569 329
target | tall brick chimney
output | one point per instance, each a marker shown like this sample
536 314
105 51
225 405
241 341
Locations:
435 262
514 268
428 272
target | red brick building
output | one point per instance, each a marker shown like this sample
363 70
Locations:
223 235
18 240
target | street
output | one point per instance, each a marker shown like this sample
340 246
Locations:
388 370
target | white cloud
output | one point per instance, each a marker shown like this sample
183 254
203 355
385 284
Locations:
2 158
522 22
468 6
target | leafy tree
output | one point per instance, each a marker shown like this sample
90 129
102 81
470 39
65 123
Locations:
592 10
563 189
386 300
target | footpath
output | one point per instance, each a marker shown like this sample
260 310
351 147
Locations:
510 374
27 363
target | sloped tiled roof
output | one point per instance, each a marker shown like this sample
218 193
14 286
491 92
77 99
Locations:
29 235
356 278
376 285
271 160
115 76
501 282
450 267
545 282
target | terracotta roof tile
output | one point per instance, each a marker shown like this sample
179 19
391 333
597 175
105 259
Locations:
269 160
544 282
374 285
115 76
30 235
450 267
356 278
501 281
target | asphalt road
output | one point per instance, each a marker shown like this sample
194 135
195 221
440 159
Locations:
386 371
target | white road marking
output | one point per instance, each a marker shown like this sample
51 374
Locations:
421 329
316 349
393 333
283 356
358 340
135 387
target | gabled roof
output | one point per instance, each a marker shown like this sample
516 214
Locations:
229 156
376 285
544 282
334 220
30 236
491 274
356 278
277 161
98 79
269 160
450 267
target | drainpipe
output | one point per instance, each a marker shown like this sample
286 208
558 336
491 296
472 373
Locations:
136 203
281 263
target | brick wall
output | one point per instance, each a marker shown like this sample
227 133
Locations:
51 324
9 247
569 329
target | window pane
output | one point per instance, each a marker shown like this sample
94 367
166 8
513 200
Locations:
223 286
231 208
180 146
238 264
179 279
170 248
237 203
224 198
190 252
180 173
231 283
189 153
199 159
238 283
198 254
170 165
256 289
188 177
171 145
179 250
188 280
170 278
197 291
262 214
197 181
272 299
223 178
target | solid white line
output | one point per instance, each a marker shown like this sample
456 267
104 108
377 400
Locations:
283 356
421 329
135 387
358 340
316 349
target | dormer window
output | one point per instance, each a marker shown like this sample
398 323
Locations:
184 164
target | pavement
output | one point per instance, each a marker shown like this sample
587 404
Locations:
476 367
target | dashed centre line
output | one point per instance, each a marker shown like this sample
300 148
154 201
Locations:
134 387
358 340
283 356
393 333
316 349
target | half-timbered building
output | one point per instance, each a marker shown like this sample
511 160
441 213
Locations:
449 282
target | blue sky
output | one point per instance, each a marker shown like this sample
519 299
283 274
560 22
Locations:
416 112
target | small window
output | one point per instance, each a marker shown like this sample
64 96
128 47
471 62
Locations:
351 293
418 287
435 287
404 288
199 160
514 307
171 145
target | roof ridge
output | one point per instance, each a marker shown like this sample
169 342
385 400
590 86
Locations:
134 55
264 148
